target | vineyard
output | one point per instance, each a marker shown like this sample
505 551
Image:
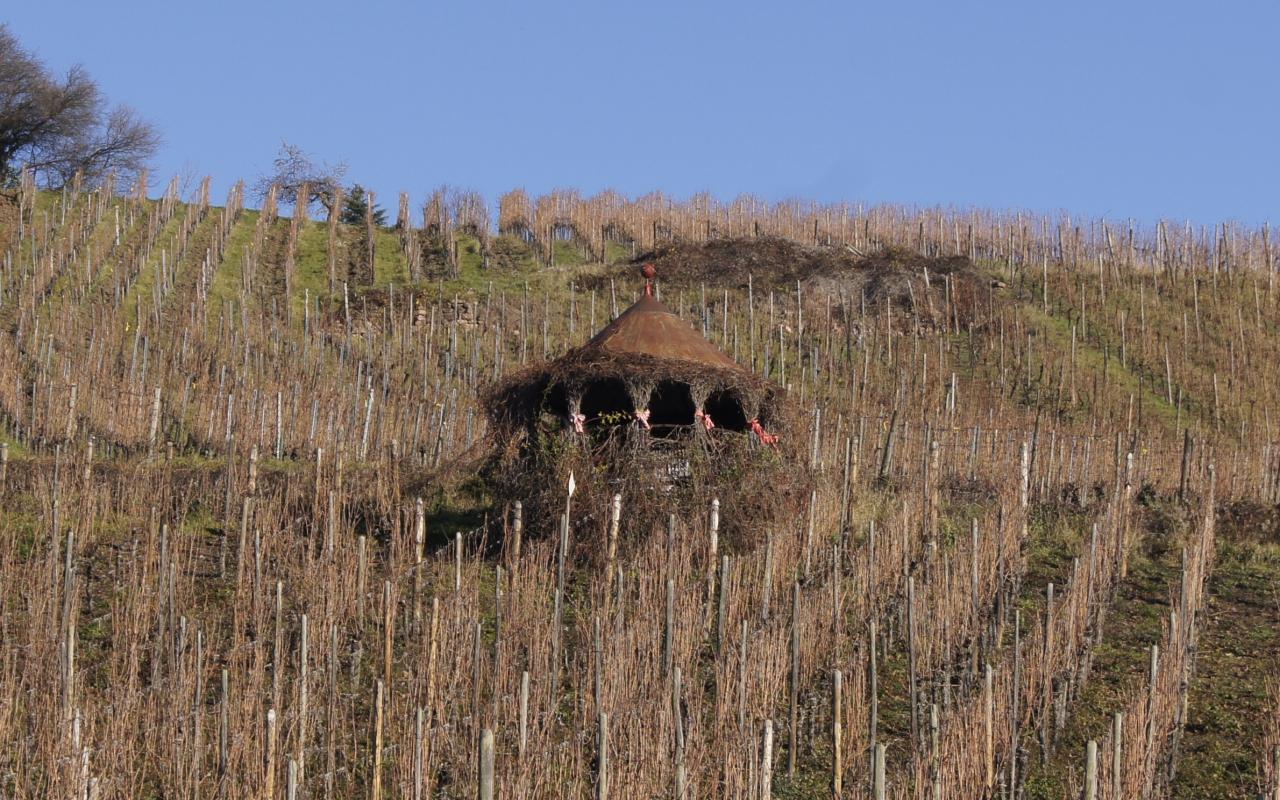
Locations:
249 547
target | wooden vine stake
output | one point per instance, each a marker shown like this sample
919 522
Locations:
484 790
837 734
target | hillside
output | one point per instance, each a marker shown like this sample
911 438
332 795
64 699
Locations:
248 543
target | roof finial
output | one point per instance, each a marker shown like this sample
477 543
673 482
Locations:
649 274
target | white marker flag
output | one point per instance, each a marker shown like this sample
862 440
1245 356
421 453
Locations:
572 484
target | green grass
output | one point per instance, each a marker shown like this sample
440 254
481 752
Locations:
229 276
311 267
1090 361
16 448
1229 702
144 285
389 265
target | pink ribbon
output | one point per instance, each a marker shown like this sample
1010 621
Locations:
643 416
704 418
577 420
765 436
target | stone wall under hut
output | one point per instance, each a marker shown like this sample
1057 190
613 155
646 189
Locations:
585 413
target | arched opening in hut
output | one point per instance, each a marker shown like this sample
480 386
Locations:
670 408
606 401
725 411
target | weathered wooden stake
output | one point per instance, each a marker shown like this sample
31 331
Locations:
376 793
911 659
524 714
935 754
793 737
989 719
1151 695
269 779
873 692
877 779
517 531
418 766
837 734
1117 754
602 757
1091 771
485 786
669 629
766 762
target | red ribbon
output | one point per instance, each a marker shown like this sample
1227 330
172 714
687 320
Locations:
704 418
643 416
765 436
578 420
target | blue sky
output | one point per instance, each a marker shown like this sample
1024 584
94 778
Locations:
1124 109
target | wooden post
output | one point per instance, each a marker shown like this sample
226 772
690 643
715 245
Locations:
877 773
524 714
846 485
837 735
1091 771
989 718
303 697
1025 483
808 540
1151 695
766 762
1015 710
419 553
742 679
388 625
793 737
722 611
155 422
418 765
1046 736
1117 754
873 692
376 793
677 722
668 636
433 647
615 518
1187 446
935 755
269 779
602 757
911 659
457 570
517 530
597 653
484 789
224 732
360 570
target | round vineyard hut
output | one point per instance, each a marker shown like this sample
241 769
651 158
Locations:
650 409
647 371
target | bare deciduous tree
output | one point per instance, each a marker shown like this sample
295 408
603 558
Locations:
293 169
60 127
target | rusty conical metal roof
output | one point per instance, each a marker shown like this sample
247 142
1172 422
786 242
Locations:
650 328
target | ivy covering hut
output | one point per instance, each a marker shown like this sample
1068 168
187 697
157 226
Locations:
651 410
